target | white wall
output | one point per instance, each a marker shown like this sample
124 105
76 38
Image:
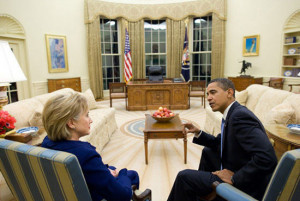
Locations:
57 17
257 17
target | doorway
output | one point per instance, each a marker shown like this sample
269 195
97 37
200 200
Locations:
12 32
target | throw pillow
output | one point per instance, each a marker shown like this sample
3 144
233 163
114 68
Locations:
91 99
36 118
281 114
241 97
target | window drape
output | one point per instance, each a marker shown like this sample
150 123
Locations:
218 47
132 16
94 58
136 12
175 39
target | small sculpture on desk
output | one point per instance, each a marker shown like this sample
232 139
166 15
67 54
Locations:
245 66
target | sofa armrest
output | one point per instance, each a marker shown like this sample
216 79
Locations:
231 193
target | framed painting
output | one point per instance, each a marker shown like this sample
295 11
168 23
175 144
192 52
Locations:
57 53
251 45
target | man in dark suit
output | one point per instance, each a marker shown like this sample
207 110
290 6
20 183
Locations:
241 155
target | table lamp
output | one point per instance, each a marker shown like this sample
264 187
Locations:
10 71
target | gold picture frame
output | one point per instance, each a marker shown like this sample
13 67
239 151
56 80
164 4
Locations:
57 53
251 45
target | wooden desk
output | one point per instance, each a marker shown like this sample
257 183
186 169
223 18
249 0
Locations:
149 96
241 83
283 139
166 130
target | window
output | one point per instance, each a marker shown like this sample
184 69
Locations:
110 52
201 48
12 92
155 44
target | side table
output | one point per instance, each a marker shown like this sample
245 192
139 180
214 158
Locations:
165 130
283 139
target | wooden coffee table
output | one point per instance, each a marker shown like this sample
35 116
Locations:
165 130
283 139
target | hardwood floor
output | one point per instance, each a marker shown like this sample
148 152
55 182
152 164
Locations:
165 156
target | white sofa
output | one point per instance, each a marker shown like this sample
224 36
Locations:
28 113
268 104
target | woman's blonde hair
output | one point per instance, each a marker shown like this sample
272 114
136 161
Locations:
59 110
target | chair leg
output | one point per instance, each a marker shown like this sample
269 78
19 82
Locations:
110 102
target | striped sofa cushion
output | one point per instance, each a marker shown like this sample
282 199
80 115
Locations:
35 173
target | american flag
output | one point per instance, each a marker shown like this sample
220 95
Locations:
127 59
185 66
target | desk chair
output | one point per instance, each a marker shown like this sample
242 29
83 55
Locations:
36 173
117 90
155 74
284 184
276 83
197 89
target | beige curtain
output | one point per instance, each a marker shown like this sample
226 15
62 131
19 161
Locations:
218 47
175 39
94 58
133 15
137 46
136 12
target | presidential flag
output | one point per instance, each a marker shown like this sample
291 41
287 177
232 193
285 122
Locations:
185 66
127 59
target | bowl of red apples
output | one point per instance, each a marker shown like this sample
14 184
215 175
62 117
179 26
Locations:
163 115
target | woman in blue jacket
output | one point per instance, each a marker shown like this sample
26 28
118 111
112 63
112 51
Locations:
66 119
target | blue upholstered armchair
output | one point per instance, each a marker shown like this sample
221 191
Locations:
284 184
36 173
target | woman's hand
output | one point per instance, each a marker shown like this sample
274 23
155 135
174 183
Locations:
225 175
114 173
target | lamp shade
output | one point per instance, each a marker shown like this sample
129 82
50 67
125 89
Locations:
10 70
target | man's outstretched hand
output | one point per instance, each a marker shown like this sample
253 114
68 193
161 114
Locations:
190 128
